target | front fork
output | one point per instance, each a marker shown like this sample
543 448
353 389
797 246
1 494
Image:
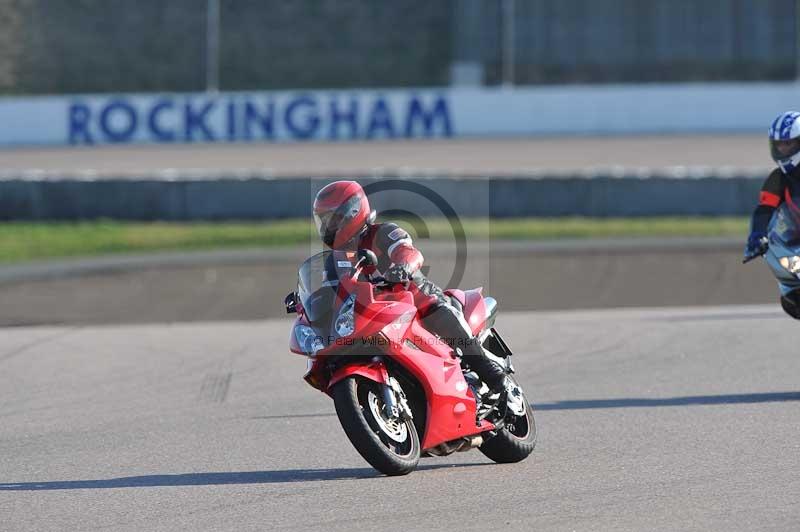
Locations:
395 402
389 402
394 399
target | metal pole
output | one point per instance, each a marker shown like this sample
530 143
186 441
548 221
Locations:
212 46
797 40
509 52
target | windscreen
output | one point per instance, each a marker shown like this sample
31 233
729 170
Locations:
785 226
318 282
316 285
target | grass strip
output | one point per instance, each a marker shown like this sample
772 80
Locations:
35 241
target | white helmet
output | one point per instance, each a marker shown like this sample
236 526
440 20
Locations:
784 141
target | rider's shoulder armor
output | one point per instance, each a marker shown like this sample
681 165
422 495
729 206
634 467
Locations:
381 238
389 235
774 188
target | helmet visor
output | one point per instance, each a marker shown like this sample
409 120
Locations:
783 150
330 222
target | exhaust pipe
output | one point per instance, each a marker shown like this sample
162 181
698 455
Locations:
471 442
457 446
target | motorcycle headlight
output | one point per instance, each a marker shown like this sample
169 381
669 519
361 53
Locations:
345 322
790 264
310 342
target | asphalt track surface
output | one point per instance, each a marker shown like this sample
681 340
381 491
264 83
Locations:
670 419
743 152
664 419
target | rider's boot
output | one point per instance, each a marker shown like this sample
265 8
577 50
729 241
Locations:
509 394
453 328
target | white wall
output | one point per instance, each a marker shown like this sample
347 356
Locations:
378 114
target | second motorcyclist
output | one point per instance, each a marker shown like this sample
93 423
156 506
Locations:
782 185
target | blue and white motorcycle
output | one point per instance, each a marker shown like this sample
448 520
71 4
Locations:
783 255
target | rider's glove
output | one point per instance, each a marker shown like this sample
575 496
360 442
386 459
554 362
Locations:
397 273
757 244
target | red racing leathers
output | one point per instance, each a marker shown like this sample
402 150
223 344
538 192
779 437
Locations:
393 247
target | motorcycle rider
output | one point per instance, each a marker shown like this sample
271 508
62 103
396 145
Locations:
345 222
782 184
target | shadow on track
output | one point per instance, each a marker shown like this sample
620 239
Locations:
292 416
671 401
217 479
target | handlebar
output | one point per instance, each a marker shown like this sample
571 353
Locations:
377 281
380 282
763 246
760 253
751 257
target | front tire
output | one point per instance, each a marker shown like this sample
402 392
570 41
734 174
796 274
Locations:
789 305
514 442
390 446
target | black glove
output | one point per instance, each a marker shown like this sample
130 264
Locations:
757 244
397 273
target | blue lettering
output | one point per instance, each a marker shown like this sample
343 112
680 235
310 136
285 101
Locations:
156 131
79 115
231 120
380 119
195 119
349 118
113 132
265 120
417 113
308 129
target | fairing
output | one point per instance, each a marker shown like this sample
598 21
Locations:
475 309
784 241
375 371
294 345
392 317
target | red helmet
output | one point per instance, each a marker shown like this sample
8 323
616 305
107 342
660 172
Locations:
341 210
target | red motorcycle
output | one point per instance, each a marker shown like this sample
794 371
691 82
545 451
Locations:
399 390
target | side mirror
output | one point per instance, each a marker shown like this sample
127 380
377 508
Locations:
367 257
290 302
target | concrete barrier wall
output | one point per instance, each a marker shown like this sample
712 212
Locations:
365 115
251 285
260 198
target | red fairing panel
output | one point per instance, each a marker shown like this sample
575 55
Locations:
451 405
374 372
373 314
458 294
475 309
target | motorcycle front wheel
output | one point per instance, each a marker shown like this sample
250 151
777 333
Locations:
389 445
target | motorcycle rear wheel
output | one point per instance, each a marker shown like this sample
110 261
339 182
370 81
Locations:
390 446
514 442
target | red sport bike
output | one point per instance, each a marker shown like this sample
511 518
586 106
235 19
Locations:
399 390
